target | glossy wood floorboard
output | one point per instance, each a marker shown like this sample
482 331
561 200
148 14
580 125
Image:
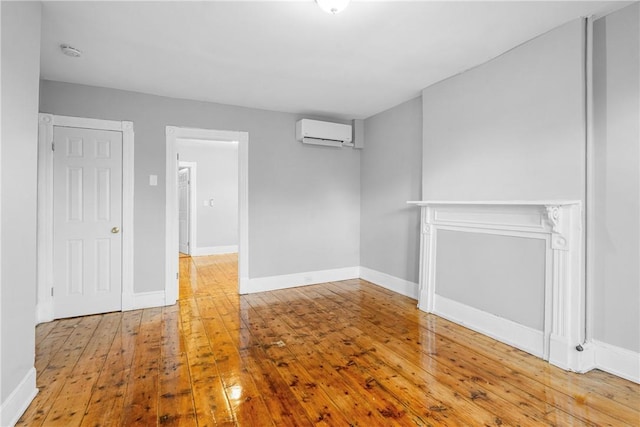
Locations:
336 354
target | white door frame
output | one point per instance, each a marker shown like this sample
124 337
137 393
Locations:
46 122
193 191
171 229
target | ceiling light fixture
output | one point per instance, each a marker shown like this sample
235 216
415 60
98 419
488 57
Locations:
70 51
333 6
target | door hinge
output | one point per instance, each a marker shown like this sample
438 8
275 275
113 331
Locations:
178 156
177 276
53 146
51 291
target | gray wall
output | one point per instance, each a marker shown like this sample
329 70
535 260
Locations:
511 274
20 74
616 294
390 176
304 201
510 129
217 179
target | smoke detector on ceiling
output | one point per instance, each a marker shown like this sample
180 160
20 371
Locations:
70 51
333 6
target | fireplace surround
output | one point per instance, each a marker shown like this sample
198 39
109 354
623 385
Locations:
553 227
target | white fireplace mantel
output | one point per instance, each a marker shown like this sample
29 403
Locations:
559 224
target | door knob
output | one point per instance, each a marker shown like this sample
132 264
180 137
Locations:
115 230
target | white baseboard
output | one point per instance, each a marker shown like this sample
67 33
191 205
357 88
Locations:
395 284
18 401
271 283
564 355
44 312
214 250
507 331
141 300
617 361
243 285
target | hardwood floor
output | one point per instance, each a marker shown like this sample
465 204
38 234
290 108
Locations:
336 354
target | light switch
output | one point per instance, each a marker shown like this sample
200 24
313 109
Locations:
211 202
153 179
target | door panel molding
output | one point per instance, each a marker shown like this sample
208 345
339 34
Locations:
46 123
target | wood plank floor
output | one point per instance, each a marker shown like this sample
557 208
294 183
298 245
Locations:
337 354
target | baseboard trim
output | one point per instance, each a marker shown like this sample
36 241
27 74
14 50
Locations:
272 283
501 329
395 284
44 312
563 355
214 250
18 401
243 285
141 300
128 301
617 361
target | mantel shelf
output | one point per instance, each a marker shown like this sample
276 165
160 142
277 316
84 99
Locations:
494 202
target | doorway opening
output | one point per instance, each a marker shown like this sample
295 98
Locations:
207 213
204 231
187 218
184 210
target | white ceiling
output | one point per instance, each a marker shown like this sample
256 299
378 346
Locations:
289 55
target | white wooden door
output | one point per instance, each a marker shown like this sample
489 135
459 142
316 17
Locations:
87 215
183 209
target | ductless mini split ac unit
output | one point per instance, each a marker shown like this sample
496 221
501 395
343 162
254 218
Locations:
323 133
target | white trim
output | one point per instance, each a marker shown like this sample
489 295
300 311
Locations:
146 300
498 203
395 284
559 223
44 302
617 361
46 123
271 283
171 214
85 123
44 311
18 401
499 328
563 354
585 360
214 250
128 174
243 212
193 197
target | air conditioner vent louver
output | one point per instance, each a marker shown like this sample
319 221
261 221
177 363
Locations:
323 133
